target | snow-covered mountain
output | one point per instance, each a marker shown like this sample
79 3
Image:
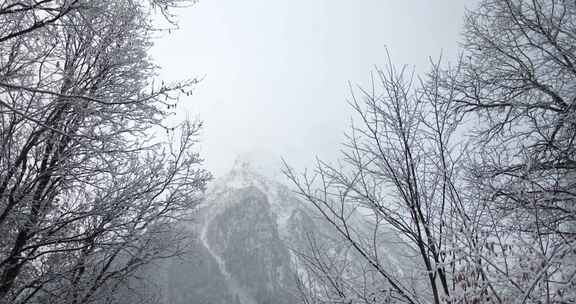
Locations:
245 244
243 249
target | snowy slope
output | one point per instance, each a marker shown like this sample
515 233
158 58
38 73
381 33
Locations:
249 232
243 174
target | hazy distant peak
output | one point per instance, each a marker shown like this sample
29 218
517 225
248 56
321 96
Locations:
243 163
247 171
244 173
257 162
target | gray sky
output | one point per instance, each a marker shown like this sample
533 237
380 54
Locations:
277 71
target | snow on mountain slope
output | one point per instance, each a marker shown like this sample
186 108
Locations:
243 175
249 233
232 283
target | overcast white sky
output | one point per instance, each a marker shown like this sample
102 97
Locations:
277 71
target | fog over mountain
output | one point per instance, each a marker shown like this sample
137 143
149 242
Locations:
249 244
275 74
399 152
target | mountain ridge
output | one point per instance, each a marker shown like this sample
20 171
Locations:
247 244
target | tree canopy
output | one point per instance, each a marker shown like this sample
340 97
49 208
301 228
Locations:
472 165
88 190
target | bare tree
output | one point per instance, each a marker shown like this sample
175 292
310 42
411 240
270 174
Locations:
398 169
23 17
88 193
516 77
473 165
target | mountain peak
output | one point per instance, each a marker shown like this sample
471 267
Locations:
242 174
258 163
243 163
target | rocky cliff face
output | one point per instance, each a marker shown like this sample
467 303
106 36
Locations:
244 237
242 249
245 244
